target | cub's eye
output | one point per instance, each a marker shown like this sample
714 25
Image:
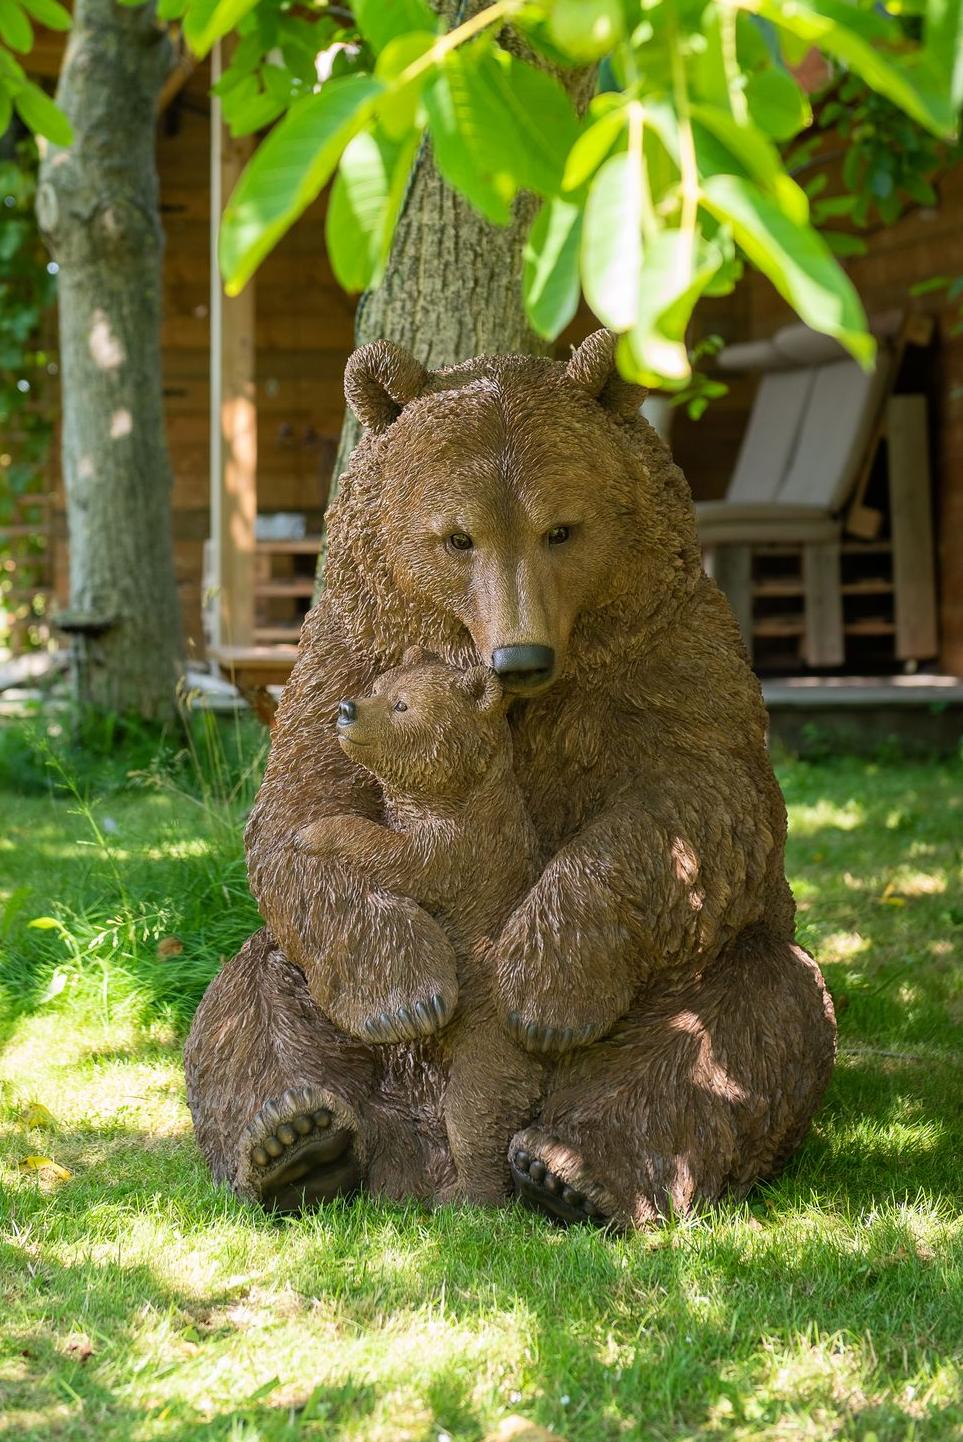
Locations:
401 706
558 535
458 541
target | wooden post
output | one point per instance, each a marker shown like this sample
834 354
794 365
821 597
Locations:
233 410
910 499
731 569
824 642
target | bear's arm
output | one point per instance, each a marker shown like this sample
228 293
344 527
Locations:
365 952
656 883
388 858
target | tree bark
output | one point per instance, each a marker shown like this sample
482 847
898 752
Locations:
452 288
97 205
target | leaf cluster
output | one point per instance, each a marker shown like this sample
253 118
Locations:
656 197
17 92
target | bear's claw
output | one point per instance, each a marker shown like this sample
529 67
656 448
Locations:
295 1155
541 1187
422 1018
535 1037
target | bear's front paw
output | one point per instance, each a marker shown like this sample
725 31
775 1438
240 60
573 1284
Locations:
407 1023
542 1037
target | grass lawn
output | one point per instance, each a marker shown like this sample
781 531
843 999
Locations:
138 1302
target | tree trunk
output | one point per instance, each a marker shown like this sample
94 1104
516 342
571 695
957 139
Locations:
452 287
97 205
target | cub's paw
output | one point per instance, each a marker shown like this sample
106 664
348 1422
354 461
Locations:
408 1023
541 1037
551 1177
301 1149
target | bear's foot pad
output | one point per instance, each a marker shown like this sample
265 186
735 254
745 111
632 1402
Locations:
563 1191
297 1152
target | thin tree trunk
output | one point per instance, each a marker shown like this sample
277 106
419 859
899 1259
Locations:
97 205
452 287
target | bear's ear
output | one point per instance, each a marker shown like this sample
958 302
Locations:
483 688
417 656
592 368
379 381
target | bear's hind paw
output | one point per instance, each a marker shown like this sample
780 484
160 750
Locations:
299 1150
549 1177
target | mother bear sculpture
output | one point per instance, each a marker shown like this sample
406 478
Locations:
519 513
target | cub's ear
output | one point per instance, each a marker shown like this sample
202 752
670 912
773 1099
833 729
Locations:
417 656
483 688
592 368
379 381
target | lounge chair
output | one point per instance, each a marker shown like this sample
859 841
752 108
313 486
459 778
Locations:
801 479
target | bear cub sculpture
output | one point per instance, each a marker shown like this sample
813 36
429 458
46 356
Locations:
459 841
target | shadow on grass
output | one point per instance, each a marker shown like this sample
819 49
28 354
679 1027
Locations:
657 1335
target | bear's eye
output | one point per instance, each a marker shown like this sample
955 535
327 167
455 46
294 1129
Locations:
558 535
401 706
459 541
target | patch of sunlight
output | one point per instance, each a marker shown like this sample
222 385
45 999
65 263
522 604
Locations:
822 815
397 1363
907 882
842 946
941 948
43 1063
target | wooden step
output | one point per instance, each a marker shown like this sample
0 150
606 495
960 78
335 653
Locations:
870 626
292 586
306 546
275 635
791 586
871 586
779 626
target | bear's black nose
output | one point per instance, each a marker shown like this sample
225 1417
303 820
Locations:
522 667
347 712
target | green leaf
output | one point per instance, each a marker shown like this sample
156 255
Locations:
398 107
777 104
15 28
39 113
498 125
246 113
760 159
550 279
46 923
6 113
462 143
795 258
611 252
381 21
208 21
12 73
288 171
48 12
585 30
673 277
359 197
591 148
943 40
856 37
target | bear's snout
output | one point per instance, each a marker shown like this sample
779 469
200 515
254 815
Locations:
347 712
522 668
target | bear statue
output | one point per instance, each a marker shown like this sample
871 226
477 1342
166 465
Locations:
459 841
519 514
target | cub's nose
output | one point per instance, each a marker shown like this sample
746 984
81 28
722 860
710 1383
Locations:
347 712
523 667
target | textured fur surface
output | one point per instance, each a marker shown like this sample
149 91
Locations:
652 960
